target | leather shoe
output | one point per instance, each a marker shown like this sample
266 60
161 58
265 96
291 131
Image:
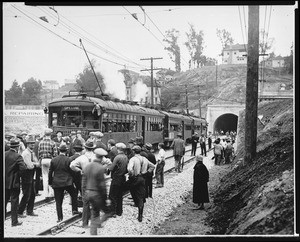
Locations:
75 212
16 224
21 215
59 220
32 214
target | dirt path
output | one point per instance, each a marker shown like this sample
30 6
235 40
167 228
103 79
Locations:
186 221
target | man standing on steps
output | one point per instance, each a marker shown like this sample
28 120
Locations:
178 151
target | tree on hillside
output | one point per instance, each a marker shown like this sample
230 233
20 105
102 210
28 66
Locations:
31 92
172 38
265 43
225 37
288 62
87 80
13 96
170 97
195 45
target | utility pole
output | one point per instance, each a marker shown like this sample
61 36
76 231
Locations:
252 84
199 101
186 100
151 58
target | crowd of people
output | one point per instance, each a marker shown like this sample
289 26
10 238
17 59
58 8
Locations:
78 166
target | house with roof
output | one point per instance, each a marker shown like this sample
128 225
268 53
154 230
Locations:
165 75
132 79
235 54
275 62
50 85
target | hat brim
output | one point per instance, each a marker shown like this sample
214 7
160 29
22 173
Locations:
93 147
14 145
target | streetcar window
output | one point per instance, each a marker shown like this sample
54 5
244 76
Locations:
188 127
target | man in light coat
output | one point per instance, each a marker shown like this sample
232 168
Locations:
178 146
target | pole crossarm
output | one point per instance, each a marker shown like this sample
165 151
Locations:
152 69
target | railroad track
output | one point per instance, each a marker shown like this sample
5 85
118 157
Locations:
57 228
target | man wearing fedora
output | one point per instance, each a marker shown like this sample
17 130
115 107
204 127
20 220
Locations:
72 142
14 164
47 151
78 165
31 161
178 146
61 180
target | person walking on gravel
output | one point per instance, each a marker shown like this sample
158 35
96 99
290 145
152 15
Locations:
47 150
159 172
96 190
201 178
27 201
14 164
61 180
118 169
195 140
178 151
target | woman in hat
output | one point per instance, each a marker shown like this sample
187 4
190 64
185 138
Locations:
201 177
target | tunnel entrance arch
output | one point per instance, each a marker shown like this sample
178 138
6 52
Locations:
226 122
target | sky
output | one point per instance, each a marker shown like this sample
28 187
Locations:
115 39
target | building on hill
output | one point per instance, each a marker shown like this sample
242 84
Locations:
274 62
164 76
70 81
133 79
234 54
50 85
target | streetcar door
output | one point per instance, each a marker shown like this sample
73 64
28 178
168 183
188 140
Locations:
143 128
182 129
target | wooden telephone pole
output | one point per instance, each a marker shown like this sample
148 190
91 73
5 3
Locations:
151 58
186 100
199 101
252 84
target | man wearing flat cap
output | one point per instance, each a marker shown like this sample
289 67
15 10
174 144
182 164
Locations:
178 146
201 177
96 190
118 169
137 167
14 164
47 151
128 151
98 142
61 180
31 161
112 149
78 165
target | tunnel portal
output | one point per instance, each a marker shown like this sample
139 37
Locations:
226 122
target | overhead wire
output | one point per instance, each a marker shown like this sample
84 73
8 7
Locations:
113 62
242 28
118 55
245 24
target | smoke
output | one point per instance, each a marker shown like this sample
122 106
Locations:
114 82
139 91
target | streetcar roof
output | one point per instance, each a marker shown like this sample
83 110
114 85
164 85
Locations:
108 104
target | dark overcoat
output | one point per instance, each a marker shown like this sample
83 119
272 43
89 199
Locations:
60 173
14 164
200 189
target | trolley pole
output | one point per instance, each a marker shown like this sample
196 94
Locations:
199 101
151 58
252 84
186 100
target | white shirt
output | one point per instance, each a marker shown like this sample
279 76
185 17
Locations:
161 156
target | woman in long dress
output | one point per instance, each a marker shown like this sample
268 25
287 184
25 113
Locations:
200 189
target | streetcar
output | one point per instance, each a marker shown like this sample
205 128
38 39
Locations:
118 120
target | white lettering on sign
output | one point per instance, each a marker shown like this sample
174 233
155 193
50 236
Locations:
39 113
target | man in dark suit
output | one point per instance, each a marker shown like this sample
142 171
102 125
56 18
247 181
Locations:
61 180
14 164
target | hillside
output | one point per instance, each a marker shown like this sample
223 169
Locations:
248 199
227 87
